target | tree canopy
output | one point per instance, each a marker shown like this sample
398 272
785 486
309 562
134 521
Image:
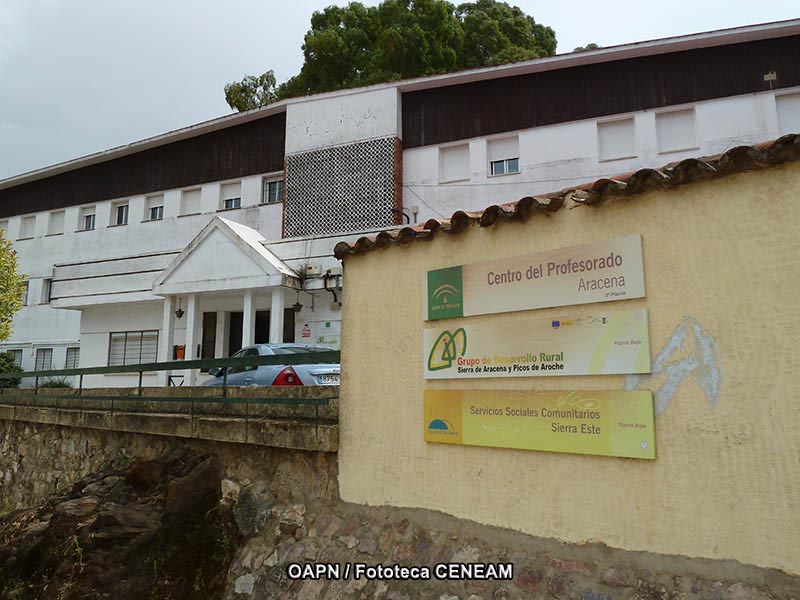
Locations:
587 47
355 45
12 286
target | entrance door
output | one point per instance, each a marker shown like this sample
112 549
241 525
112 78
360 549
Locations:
262 327
235 336
209 335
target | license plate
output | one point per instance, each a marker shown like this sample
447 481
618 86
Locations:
331 379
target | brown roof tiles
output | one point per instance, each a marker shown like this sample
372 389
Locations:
736 160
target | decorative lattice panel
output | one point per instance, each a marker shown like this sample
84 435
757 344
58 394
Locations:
346 188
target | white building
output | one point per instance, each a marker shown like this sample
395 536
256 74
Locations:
231 223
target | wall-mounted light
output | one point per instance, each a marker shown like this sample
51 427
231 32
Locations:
179 311
297 307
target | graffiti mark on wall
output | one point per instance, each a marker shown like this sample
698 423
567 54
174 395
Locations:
690 352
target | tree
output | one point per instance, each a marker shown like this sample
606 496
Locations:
587 47
251 92
12 287
7 365
355 45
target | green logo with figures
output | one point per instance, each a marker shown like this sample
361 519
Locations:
447 348
445 294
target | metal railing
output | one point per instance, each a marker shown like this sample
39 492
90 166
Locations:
326 357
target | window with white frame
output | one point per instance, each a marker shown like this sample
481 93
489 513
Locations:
55 222
675 130
616 139
788 107
231 195
44 359
154 208
454 163
73 358
25 287
17 355
87 218
503 155
46 290
190 202
272 190
132 347
27 227
119 213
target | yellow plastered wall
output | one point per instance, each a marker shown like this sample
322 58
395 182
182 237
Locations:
725 483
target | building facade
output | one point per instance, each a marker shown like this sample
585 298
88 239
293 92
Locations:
205 239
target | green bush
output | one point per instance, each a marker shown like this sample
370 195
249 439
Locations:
56 382
7 365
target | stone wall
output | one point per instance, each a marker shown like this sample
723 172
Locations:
286 509
37 460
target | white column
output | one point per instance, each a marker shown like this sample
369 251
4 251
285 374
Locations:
219 335
276 317
165 337
249 320
192 311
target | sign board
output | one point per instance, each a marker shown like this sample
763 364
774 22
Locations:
596 272
602 423
613 342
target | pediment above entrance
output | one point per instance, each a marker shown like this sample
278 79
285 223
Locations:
224 256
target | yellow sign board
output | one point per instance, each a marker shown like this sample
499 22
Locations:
602 423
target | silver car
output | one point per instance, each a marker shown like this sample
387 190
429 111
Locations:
307 374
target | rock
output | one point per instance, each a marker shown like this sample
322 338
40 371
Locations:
528 580
614 577
251 511
200 487
368 546
349 542
573 566
328 525
77 508
230 490
245 585
466 554
145 474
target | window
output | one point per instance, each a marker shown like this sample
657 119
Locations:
272 190
788 106
246 353
55 222
154 208
44 359
231 195
87 219
675 130
17 354
503 156
454 163
46 288
27 227
615 140
25 287
119 215
190 202
132 348
73 358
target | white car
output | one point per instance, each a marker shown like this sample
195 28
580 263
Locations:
305 374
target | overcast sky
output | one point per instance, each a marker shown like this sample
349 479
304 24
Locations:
79 76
